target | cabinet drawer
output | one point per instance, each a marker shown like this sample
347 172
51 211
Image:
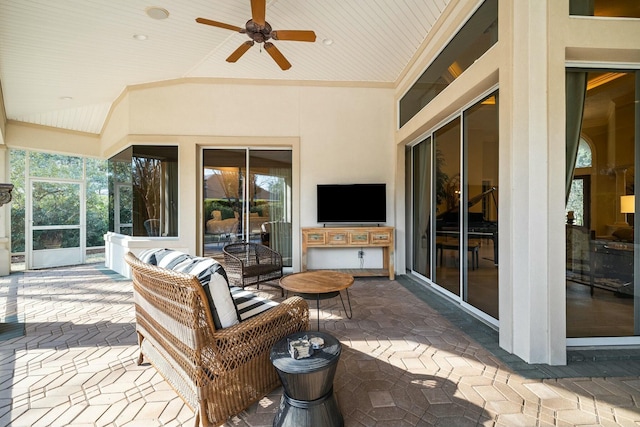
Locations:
316 239
380 237
337 237
359 238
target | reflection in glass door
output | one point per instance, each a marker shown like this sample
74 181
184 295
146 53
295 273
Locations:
602 265
123 221
421 184
269 201
57 235
454 207
247 197
447 181
481 196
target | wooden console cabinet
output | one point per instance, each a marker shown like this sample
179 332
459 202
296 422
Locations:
354 237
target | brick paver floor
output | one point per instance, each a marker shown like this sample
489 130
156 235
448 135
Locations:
404 363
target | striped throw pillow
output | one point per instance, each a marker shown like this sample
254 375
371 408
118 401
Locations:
213 279
250 304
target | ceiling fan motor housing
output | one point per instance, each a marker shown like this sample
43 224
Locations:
258 33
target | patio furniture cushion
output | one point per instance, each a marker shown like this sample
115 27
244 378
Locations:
169 258
213 279
259 269
211 276
250 304
149 255
161 257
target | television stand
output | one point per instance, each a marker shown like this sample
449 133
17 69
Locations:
352 237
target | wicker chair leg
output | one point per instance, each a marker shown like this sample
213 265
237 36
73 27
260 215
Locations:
140 356
201 416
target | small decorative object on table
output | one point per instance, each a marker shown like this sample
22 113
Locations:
300 348
316 343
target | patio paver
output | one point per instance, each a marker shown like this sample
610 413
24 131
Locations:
408 359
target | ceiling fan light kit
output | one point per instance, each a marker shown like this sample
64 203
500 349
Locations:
259 31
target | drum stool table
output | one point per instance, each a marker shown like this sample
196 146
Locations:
308 399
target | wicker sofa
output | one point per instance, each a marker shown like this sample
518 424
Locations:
219 370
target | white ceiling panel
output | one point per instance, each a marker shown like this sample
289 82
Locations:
64 62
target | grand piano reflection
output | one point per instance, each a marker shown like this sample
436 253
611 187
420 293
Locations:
478 225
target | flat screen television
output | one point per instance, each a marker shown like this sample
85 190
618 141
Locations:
352 203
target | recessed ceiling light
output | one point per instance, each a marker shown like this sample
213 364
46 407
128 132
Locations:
139 36
157 12
66 98
327 42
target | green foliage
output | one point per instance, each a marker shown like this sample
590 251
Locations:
17 162
97 202
56 203
576 201
45 165
224 206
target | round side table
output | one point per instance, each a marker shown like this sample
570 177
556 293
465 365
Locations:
308 399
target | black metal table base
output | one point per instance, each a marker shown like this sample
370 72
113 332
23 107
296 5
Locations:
328 295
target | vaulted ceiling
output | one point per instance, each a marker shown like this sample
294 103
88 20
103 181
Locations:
63 63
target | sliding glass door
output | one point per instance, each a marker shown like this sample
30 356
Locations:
421 224
247 197
480 142
602 264
447 172
454 207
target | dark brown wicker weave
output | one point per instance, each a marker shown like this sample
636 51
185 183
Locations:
217 372
251 264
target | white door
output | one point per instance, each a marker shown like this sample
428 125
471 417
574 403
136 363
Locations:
56 224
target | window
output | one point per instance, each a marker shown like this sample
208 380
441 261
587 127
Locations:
471 42
584 158
143 190
66 200
614 8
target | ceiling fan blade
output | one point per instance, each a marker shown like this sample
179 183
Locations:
258 11
294 35
240 51
219 24
277 56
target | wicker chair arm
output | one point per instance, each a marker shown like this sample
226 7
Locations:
237 344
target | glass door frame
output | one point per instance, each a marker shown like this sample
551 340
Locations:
54 257
628 340
245 218
463 273
117 206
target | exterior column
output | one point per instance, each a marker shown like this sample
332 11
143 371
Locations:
532 301
5 215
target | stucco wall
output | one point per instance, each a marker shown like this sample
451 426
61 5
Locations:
337 134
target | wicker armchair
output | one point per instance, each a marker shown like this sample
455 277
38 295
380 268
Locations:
217 372
251 264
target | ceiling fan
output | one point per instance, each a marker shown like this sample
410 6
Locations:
259 31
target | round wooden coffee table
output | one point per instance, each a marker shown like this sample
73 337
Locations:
320 284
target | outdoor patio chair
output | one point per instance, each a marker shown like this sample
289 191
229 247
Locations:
251 264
